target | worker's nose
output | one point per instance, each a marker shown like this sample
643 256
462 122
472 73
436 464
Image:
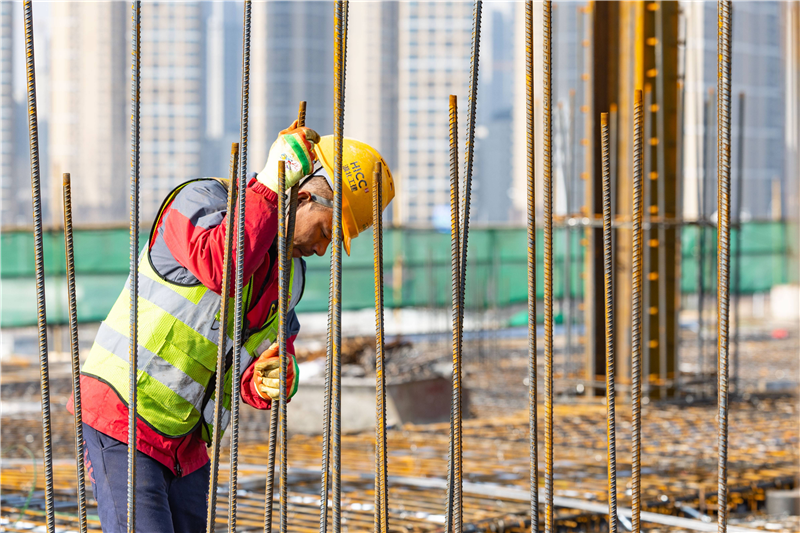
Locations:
320 248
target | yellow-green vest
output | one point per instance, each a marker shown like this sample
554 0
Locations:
178 335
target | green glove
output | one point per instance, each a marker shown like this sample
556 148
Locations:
296 147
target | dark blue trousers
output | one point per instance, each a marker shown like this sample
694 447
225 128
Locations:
165 503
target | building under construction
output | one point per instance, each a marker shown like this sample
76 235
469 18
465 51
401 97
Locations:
621 352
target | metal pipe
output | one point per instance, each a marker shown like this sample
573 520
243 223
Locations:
74 350
335 337
548 262
533 423
381 466
454 466
661 202
240 312
611 423
636 316
36 194
222 343
136 68
723 247
737 279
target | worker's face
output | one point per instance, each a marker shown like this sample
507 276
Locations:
313 227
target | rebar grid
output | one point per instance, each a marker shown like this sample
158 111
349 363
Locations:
136 71
381 466
239 312
611 424
531 207
211 513
636 316
454 466
723 247
548 261
74 350
36 193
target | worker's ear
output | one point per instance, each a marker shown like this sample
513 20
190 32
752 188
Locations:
303 197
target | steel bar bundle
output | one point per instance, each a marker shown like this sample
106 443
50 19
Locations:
333 377
531 205
33 131
723 247
609 325
381 465
223 344
548 262
239 312
74 350
636 317
136 70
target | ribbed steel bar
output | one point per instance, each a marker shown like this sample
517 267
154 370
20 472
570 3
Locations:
547 133
224 311
335 334
239 311
454 464
36 193
737 279
136 70
723 247
608 272
636 317
269 491
74 350
531 206
381 466
661 202
283 304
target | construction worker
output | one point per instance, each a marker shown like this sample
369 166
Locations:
180 280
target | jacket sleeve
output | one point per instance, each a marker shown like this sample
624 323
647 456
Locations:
194 227
248 388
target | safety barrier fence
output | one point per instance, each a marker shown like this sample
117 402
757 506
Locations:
461 188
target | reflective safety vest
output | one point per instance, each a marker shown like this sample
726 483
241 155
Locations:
178 335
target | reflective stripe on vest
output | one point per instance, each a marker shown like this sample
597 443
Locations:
177 348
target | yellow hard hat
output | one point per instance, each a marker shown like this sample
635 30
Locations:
358 164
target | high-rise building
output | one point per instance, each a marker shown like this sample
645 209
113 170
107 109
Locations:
292 60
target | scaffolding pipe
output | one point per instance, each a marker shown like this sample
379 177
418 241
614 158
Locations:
531 206
724 8
136 69
36 193
454 466
636 317
608 272
381 466
239 311
74 350
222 343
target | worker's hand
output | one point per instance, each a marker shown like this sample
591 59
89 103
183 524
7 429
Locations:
295 146
267 375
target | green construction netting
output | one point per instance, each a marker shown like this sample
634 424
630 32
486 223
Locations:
416 262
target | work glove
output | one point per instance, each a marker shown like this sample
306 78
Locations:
294 145
267 375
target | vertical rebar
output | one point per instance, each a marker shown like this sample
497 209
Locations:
381 474
636 317
454 472
533 440
335 336
611 422
136 69
547 49
723 247
647 188
283 304
737 279
74 350
240 312
36 194
211 514
276 412
661 202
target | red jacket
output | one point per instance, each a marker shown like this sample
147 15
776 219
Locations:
188 245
